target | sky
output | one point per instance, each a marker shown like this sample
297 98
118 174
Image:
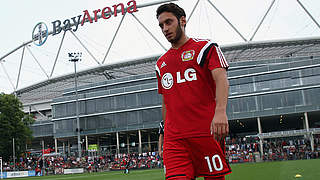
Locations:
286 20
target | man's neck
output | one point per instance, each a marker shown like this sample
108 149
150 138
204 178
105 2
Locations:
180 43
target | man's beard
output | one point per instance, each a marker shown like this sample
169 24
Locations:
178 34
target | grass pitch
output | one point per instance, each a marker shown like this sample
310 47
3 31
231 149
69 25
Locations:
283 170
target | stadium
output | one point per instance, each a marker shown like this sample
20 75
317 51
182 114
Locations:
274 96
274 92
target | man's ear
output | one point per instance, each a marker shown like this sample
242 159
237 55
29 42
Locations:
183 21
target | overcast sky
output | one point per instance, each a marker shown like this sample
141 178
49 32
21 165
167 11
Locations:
286 20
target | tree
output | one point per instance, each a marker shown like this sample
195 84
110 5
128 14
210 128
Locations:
13 124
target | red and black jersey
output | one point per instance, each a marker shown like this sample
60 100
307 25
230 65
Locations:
185 81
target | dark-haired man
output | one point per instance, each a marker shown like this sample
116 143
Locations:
193 81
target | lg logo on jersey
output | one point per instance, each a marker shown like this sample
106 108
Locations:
188 75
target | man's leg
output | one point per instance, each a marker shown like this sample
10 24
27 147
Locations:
208 158
178 165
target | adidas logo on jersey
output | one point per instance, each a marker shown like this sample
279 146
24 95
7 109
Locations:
167 79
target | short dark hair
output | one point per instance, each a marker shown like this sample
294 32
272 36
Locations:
173 8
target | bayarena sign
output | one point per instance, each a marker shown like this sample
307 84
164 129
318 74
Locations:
40 31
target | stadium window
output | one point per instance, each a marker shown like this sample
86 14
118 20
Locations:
71 109
63 110
243 105
264 85
267 101
235 105
91 123
121 119
294 98
100 105
133 118
293 82
120 102
131 100
310 80
244 88
82 109
83 122
112 101
276 84
107 121
145 98
251 103
91 106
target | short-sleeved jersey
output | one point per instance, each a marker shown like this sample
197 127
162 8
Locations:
186 83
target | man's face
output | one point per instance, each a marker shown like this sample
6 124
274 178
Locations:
170 26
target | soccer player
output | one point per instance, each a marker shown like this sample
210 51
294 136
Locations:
193 81
160 142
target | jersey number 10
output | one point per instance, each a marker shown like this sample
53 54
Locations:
214 162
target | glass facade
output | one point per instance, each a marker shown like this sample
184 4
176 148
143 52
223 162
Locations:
42 130
294 88
257 89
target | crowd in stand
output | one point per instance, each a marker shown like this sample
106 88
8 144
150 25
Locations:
274 149
238 150
290 149
56 164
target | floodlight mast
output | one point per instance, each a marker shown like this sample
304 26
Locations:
75 57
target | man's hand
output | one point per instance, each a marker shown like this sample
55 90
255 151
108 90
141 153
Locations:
219 126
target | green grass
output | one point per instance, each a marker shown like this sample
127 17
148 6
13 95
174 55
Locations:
285 170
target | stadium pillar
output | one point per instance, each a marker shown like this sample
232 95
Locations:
98 141
306 121
63 149
86 143
14 154
69 149
128 143
118 148
149 142
140 143
260 139
56 145
312 142
26 155
42 157
306 126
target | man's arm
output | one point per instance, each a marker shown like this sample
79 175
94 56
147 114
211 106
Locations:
219 125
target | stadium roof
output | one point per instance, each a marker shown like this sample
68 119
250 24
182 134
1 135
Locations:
47 90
